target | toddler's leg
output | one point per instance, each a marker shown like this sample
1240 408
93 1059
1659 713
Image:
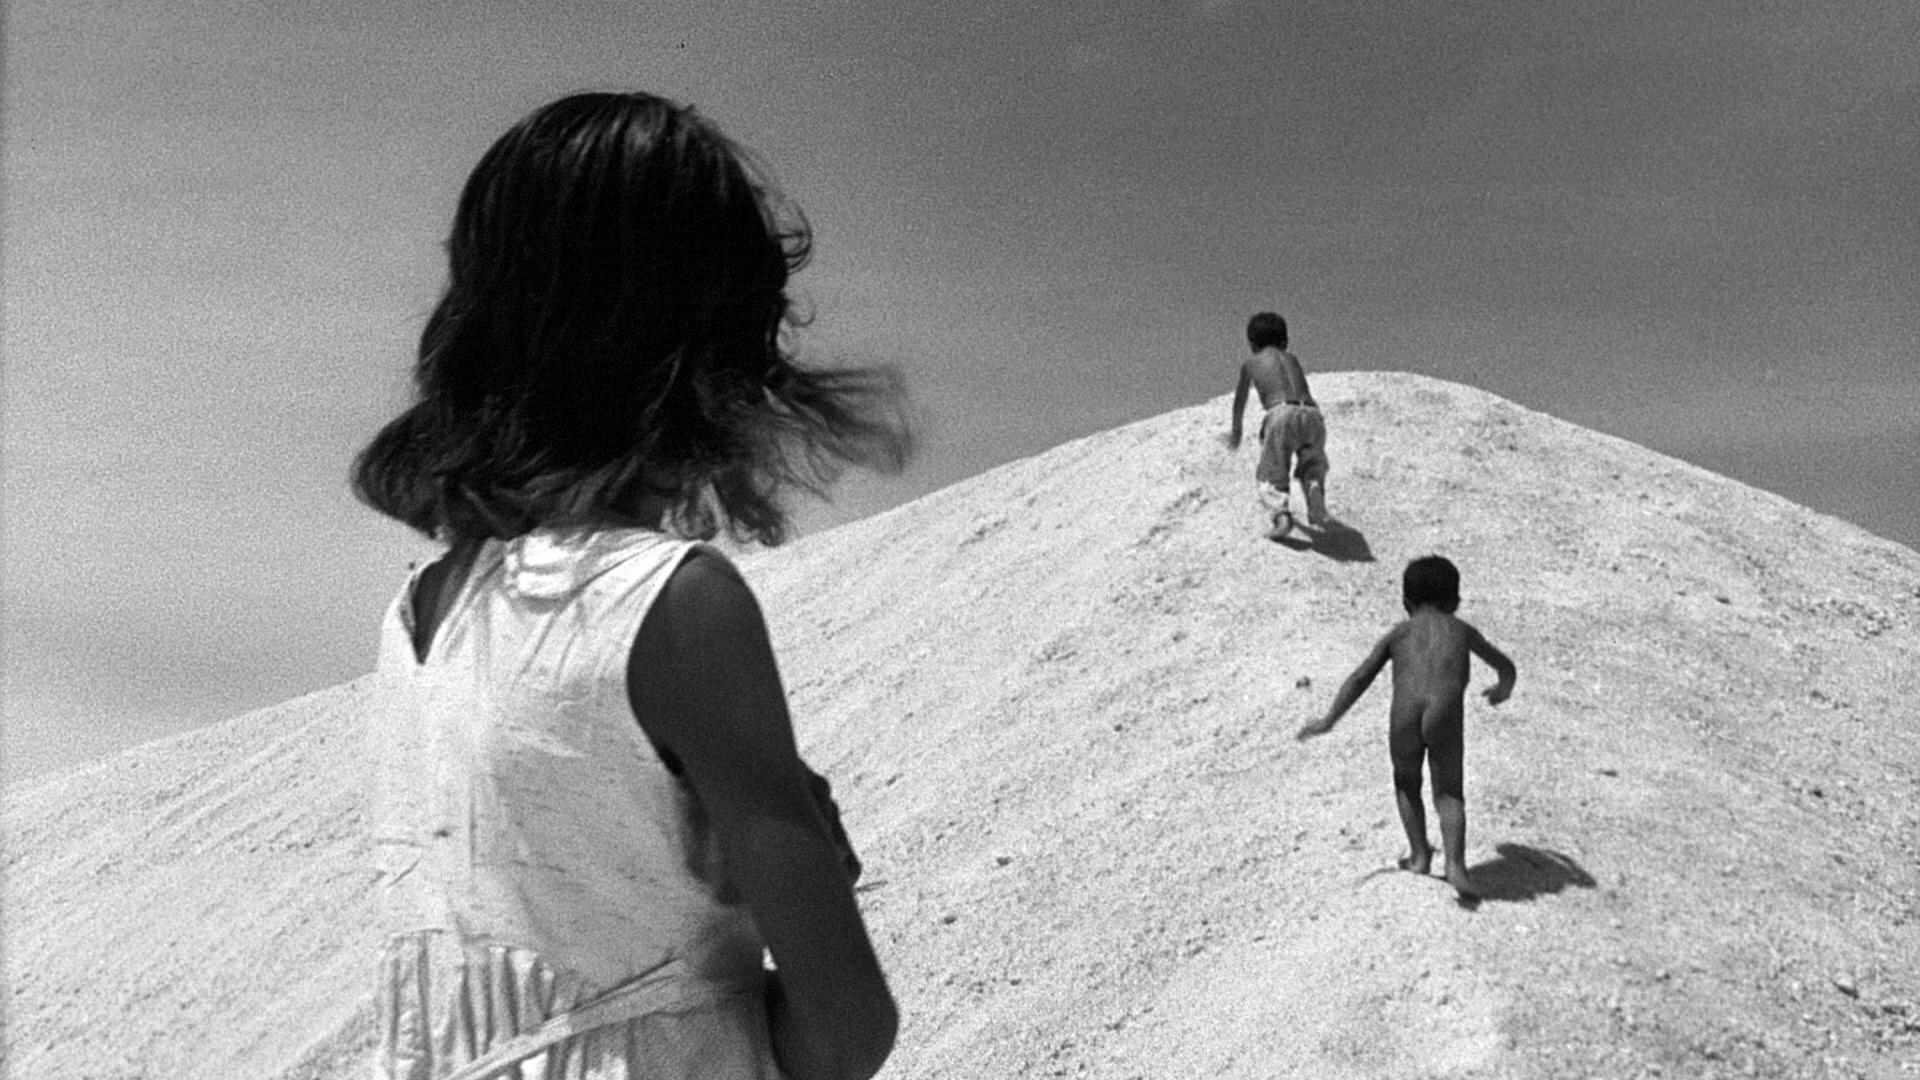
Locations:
1407 748
1312 473
1272 478
1283 477
1279 518
1445 751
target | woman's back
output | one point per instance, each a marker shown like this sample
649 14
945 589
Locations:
534 851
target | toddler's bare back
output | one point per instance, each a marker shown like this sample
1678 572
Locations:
1430 652
1277 377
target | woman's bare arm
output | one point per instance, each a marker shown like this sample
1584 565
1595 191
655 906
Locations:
703 682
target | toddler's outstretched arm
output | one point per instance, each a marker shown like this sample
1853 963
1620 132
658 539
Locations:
1502 666
703 682
1239 406
1350 690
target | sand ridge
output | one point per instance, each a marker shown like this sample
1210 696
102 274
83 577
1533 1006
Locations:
1057 702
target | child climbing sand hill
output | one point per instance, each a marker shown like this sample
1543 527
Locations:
1293 436
590 818
1429 652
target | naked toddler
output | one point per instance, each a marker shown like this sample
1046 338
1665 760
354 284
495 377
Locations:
1426 720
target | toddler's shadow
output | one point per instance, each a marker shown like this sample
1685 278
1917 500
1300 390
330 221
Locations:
1334 538
1519 873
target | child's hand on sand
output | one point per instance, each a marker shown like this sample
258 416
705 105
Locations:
1497 693
1311 728
1231 440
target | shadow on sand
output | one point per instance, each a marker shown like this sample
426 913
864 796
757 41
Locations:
1335 539
1518 873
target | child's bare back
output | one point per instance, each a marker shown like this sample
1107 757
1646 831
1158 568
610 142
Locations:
1276 376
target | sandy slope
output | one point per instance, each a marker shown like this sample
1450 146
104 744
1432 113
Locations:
1057 701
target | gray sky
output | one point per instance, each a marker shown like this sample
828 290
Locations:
1693 226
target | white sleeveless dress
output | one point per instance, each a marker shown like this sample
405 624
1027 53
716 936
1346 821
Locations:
555 905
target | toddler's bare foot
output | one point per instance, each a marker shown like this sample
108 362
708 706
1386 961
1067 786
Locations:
1462 884
1421 864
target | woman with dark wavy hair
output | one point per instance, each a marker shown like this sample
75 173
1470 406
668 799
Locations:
591 819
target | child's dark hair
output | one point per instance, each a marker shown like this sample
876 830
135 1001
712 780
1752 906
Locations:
1431 581
1266 329
614 342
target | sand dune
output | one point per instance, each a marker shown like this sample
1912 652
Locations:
1057 700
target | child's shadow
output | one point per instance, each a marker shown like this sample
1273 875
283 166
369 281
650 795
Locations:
1520 873
1335 539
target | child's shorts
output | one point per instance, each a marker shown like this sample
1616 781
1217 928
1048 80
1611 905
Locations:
1296 433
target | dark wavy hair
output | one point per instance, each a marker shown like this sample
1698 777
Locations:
614 344
1266 329
1431 580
